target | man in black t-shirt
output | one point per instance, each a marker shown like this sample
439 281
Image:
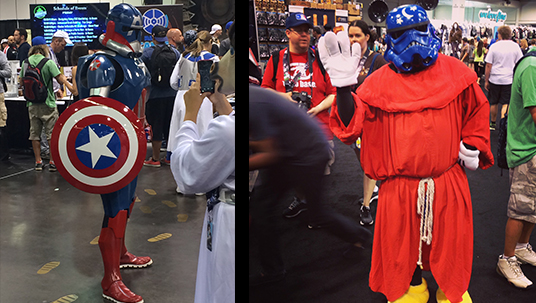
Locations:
23 47
11 50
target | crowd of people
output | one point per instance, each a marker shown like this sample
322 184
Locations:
328 84
200 137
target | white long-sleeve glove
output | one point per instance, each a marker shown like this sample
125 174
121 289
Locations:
341 61
468 158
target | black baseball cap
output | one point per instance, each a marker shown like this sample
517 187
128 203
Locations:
159 33
297 19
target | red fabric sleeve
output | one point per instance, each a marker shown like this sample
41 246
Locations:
475 130
347 134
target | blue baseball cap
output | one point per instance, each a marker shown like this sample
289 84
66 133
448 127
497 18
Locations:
297 19
228 25
38 40
160 33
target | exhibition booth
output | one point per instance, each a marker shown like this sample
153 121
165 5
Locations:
84 22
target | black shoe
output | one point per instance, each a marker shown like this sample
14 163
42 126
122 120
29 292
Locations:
365 216
262 278
295 208
52 167
492 126
39 166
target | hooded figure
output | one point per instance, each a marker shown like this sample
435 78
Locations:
424 216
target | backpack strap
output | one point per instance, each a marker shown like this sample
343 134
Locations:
41 63
529 54
319 62
372 64
275 63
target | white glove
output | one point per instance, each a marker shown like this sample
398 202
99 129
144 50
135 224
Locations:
341 61
468 158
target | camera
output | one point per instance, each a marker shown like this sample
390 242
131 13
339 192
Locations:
303 99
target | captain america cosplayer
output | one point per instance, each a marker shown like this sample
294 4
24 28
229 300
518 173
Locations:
117 73
418 138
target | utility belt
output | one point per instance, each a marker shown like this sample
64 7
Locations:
215 196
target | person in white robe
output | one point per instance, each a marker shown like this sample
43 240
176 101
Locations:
206 163
181 78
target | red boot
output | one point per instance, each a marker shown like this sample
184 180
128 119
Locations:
129 260
110 243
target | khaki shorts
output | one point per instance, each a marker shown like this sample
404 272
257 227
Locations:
41 115
3 111
521 205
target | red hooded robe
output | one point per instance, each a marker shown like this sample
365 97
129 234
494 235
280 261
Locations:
411 127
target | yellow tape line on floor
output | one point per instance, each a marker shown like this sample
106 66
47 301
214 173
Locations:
95 241
169 203
48 267
160 237
150 192
66 299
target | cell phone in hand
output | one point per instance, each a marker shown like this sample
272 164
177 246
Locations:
203 68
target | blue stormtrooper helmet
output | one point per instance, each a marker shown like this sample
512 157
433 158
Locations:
411 41
123 29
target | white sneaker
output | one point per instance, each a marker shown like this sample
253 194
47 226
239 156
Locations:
509 268
526 255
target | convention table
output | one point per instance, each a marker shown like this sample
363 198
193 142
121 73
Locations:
18 122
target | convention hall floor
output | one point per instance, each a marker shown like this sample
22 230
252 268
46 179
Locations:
49 229
317 271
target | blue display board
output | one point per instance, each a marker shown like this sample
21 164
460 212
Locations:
84 22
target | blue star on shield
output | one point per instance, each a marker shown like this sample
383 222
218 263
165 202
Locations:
97 146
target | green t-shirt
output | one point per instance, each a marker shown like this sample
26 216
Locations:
50 70
477 57
521 134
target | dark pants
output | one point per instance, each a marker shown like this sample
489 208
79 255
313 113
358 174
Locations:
158 113
479 70
266 208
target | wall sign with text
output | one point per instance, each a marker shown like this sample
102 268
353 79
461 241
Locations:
489 15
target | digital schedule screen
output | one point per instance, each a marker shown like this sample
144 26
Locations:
83 22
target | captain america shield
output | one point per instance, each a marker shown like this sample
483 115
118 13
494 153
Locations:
98 145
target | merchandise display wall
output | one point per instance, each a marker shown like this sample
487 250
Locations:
270 17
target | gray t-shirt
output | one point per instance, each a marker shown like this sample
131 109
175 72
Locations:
299 137
5 70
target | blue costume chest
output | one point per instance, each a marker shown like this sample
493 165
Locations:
126 77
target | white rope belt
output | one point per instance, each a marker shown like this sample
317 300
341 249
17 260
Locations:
424 208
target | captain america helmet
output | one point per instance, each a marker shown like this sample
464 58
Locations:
412 44
128 24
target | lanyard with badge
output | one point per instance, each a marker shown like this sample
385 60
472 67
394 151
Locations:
362 62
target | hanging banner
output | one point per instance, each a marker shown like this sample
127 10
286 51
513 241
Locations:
489 15
169 16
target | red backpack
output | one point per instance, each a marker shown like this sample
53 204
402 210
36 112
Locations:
33 85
